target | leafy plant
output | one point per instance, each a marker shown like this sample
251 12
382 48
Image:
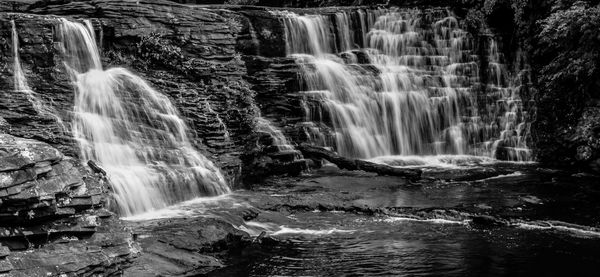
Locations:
158 51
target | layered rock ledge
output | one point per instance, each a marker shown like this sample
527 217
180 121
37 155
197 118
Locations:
51 203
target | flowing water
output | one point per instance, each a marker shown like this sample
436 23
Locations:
22 86
397 247
279 139
505 108
219 120
554 230
133 131
404 82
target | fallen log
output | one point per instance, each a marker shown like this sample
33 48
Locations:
96 168
310 151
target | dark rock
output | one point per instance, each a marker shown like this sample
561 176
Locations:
183 246
102 254
49 202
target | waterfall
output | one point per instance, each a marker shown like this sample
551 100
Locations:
21 85
508 120
219 120
396 82
279 139
133 131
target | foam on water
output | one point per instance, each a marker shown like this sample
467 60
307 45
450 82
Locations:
575 230
272 229
440 161
311 232
203 206
395 219
514 174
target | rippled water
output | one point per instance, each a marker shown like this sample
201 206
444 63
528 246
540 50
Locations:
552 231
384 247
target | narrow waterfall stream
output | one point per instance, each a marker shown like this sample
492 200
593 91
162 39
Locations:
279 139
22 86
133 131
403 82
505 111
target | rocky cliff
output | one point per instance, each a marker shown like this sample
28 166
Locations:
188 53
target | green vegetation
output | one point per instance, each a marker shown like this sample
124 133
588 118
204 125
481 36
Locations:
156 51
160 52
569 55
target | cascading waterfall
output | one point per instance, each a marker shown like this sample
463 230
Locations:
219 120
394 82
509 126
21 85
279 139
133 131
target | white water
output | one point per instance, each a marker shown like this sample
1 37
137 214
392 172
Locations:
133 131
446 161
213 206
21 85
255 228
279 139
505 108
406 85
219 120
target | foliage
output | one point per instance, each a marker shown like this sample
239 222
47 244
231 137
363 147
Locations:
569 49
567 59
474 21
158 51
517 7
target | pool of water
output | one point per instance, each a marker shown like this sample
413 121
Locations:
340 244
551 224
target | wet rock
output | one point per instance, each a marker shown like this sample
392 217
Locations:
531 199
20 153
37 181
104 253
183 246
48 202
483 206
15 5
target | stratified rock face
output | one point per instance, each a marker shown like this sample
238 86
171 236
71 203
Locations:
42 67
184 247
48 200
37 183
102 254
187 53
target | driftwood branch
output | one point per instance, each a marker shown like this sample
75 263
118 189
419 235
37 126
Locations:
96 168
310 151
